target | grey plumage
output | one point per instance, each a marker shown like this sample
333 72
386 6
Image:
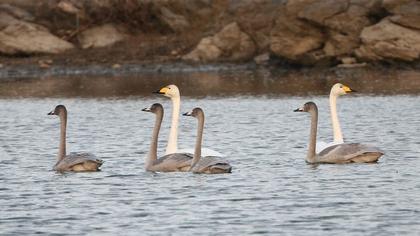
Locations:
209 164
169 162
72 161
339 153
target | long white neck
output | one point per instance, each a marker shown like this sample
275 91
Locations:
152 156
172 146
63 126
338 136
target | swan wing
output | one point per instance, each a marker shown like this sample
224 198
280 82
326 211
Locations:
209 163
204 152
346 151
173 162
321 145
76 158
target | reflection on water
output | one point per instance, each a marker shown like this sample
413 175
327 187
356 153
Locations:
241 81
271 190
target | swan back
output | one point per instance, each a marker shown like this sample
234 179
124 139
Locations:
79 162
172 162
212 165
349 152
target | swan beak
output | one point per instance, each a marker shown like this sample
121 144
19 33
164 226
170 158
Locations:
163 90
50 113
187 114
347 89
298 110
146 109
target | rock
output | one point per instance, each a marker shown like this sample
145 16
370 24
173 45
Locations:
411 21
20 37
262 58
402 7
387 40
319 11
177 23
348 60
230 44
100 36
16 12
292 38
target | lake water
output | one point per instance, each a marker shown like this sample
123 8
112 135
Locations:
271 190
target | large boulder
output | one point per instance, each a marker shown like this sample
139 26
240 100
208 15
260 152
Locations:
100 36
20 37
313 31
387 40
228 44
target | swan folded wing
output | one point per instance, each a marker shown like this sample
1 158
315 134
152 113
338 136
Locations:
74 159
346 151
211 162
204 152
173 161
321 145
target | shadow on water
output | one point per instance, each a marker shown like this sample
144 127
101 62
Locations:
214 82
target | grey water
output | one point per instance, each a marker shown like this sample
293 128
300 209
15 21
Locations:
270 191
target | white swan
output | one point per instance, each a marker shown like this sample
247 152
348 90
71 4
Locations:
74 161
339 153
208 164
337 90
172 92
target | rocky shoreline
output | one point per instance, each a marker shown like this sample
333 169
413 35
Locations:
348 33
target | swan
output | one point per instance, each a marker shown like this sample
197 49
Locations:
172 92
74 161
337 90
209 164
339 153
169 162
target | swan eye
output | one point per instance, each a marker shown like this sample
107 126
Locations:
341 86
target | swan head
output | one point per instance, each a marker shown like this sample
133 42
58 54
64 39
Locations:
341 89
194 112
170 91
58 110
307 107
155 108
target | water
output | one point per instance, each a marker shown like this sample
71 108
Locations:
271 190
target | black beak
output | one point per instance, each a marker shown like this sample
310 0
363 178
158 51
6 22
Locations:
186 114
158 92
145 109
50 113
298 110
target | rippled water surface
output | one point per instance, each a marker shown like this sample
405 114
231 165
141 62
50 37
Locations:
271 190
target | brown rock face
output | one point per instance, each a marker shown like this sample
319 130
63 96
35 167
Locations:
387 40
229 44
20 37
100 36
314 30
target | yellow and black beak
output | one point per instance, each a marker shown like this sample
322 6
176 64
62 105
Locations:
163 90
347 89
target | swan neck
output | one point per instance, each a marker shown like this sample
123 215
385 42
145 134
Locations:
338 136
199 140
152 157
63 127
312 136
172 146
